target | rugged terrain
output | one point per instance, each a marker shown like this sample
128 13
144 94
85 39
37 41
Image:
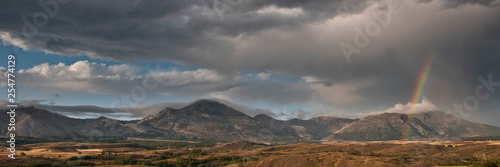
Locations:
203 119
422 126
212 120
245 153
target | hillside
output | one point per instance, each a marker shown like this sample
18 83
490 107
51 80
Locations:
207 119
38 123
421 126
203 119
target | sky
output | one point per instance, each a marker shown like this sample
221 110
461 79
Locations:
285 58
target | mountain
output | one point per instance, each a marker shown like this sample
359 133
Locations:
38 123
203 119
210 119
214 120
421 126
319 127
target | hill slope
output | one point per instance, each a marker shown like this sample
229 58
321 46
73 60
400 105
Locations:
38 123
213 120
202 119
421 126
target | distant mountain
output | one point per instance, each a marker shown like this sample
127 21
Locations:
206 119
202 119
319 127
38 123
421 126
213 120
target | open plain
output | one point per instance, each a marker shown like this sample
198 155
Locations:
244 153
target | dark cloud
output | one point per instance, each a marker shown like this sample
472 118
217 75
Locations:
122 30
269 92
288 37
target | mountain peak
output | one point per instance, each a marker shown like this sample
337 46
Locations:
418 126
263 116
102 118
207 101
212 107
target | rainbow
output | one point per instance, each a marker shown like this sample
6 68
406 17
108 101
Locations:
416 97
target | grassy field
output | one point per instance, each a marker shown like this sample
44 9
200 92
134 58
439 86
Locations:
147 152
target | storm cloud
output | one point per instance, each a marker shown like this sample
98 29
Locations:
276 37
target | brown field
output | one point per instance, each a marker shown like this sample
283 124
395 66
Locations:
135 138
345 153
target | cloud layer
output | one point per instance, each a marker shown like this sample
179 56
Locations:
293 38
97 78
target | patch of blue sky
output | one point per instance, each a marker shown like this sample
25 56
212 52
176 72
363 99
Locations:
31 58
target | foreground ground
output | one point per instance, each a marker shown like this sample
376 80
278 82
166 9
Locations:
176 153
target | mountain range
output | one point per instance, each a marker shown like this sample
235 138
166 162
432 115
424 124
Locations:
210 119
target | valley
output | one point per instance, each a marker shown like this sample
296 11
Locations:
208 133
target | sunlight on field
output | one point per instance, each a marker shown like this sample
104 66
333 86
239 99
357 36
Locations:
244 153
89 150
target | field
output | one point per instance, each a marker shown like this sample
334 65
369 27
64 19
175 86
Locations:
242 153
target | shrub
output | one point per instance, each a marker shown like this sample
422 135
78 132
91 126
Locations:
127 161
491 163
57 164
402 159
86 157
81 164
73 158
39 164
197 152
371 153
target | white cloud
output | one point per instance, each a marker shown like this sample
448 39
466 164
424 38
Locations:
263 75
199 76
7 39
97 78
408 108
80 70
292 12
3 73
